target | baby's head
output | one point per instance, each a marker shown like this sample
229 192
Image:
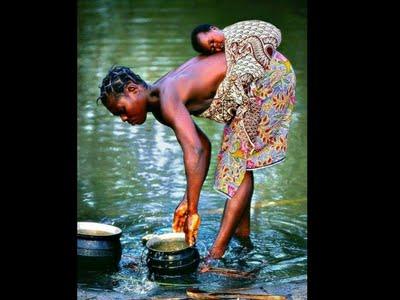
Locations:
207 39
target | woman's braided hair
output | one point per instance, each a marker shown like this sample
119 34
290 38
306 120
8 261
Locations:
115 81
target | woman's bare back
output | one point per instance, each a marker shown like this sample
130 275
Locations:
196 80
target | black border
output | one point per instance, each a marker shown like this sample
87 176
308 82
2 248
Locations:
39 199
340 166
41 181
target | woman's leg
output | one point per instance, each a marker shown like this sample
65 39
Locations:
236 212
243 228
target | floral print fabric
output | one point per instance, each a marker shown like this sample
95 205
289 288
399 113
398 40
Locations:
273 96
249 46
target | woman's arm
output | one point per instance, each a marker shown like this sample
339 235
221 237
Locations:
180 213
177 116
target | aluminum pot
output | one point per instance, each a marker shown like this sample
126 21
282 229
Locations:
173 261
98 246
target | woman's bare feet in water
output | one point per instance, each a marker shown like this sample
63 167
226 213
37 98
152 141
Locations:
207 263
216 253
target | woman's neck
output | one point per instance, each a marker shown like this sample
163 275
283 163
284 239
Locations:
153 99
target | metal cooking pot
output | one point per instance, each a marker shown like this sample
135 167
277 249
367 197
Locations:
181 261
99 246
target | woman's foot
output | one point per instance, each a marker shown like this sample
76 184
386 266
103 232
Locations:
217 253
207 263
245 242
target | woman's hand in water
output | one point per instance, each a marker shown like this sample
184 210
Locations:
180 216
191 228
186 222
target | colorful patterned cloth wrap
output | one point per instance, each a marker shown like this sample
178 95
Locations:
249 46
255 100
273 96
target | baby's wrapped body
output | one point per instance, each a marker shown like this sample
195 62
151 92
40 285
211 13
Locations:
255 101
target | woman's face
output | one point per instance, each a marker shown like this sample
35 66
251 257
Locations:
131 106
212 41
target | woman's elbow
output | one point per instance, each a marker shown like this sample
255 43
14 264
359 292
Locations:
199 150
207 145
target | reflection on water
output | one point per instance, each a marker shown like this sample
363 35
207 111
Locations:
132 176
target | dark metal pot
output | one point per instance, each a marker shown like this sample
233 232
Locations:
99 246
180 261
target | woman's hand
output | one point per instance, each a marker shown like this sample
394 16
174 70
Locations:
191 228
180 216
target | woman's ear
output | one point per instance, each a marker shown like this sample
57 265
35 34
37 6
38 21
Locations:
131 87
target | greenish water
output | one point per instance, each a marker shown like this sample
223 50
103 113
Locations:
170 245
133 177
